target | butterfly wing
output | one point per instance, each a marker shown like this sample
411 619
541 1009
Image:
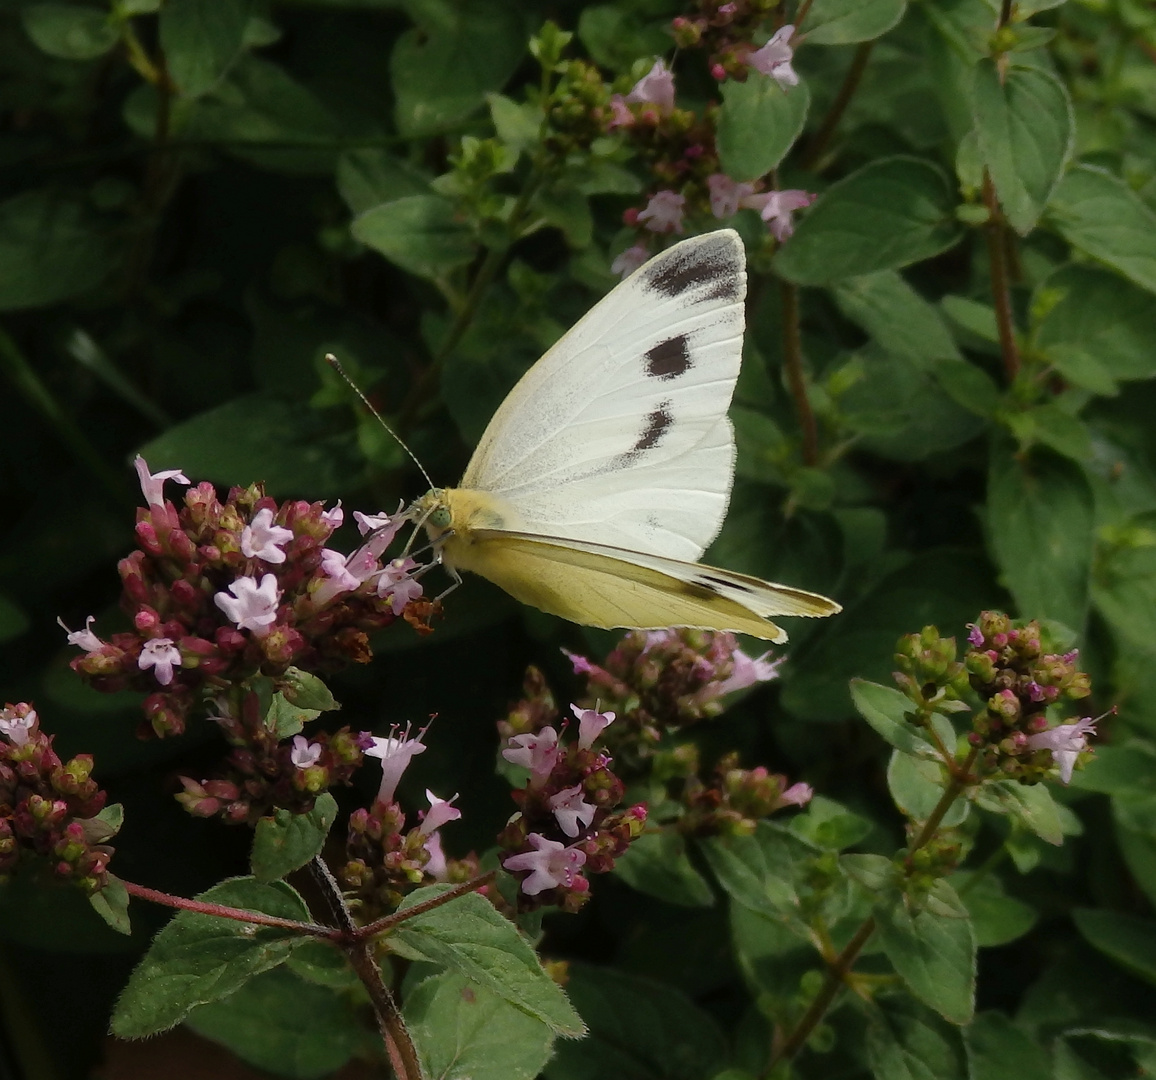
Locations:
619 433
597 585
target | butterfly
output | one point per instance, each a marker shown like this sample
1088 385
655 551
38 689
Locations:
606 472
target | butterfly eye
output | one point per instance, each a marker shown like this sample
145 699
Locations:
440 518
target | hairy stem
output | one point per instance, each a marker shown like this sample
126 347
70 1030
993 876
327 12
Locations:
819 142
793 362
997 254
222 911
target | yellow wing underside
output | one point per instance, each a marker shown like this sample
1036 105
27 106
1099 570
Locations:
598 590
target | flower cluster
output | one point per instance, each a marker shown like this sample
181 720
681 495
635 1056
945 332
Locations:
262 771
221 591
662 680
49 808
568 823
737 800
678 147
1017 682
385 860
725 31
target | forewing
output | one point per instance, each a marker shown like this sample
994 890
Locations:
608 587
619 433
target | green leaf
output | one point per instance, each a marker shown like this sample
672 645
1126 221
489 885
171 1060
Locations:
828 824
284 719
842 22
997 917
1100 214
759 871
260 437
111 904
443 71
322 962
998 1049
201 40
1031 805
287 841
307 691
886 710
70 31
50 250
617 37
917 784
657 864
934 953
1025 127
368 178
888 214
898 319
1129 940
518 125
419 233
470 937
281 1023
758 123
199 958
1040 525
463 1030
639 1030
568 210
1098 328
907 1042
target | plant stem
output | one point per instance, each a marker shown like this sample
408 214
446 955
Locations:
997 253
389 921
840 967
222 911
822 138
793 362
359 949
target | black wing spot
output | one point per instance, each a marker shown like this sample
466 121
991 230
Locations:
715 266
724 583
668 359
656 424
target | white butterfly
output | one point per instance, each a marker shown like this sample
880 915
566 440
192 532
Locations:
607 470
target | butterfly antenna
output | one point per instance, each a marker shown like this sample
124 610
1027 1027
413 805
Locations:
334 363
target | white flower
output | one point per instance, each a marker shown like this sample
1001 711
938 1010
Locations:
590 725
663 212
439 813
152 484
774 58
83 639
261 539
397 584
570 809
162 655
395 755
1066 742
17 725
630 260
252 606
538 752
655 87
304 753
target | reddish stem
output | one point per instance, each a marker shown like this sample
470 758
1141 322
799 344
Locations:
389 921
793 362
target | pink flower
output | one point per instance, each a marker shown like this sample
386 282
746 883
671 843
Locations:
582 666
551 864
796 795
630 260
975 635
18 723
304 753
656 87
749 670
252 606
152 484
774 58
380 528
726 195
620 114
776 207
333 518
539 753
344 573
162 655
663 212
84 639
439 813
261 539
397 585
436 867
570 808
1066 742
590 725
395 755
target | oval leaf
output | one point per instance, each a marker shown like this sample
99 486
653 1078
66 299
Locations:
758 123
419 233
